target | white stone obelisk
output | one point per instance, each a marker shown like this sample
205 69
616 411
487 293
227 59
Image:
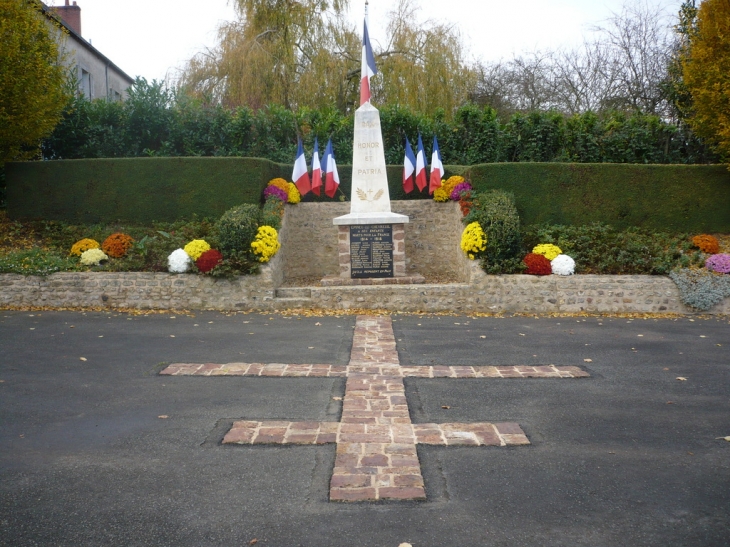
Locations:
370 199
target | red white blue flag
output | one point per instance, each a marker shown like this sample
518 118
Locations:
368 69
332 177
316 169
300 176
409 168
421 180
437 168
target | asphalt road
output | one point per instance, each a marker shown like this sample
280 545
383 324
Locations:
87 460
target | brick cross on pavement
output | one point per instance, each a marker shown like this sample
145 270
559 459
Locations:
376 454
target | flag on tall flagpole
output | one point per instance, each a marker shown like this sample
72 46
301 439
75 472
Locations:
316 169
409 168
421 180
332 177
300 175
367 69
437 168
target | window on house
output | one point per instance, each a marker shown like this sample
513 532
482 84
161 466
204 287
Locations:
85 84
115 96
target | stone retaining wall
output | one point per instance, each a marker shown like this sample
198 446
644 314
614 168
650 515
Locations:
510 293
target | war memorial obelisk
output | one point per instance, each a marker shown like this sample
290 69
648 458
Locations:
371 237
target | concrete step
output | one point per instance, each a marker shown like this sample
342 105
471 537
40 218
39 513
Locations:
292 303
294 292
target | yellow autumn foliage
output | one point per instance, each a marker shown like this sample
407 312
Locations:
32 94
706 71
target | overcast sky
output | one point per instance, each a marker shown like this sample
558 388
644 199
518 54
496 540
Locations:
152 38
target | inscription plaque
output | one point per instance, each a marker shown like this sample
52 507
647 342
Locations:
371 250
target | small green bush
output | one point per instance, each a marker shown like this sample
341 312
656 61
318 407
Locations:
237 228
272 213
496 213
37 261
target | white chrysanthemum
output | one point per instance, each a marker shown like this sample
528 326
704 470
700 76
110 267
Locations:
563 265
178 261
92 257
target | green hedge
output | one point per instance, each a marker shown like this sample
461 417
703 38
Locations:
134 189
685 198
690 198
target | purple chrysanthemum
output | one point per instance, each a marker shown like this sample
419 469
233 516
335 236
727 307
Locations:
460 189
718 263
272 191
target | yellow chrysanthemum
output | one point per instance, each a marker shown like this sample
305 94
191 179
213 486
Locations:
443 193
266 243
293 193
83 245
196 248
548 250
473 240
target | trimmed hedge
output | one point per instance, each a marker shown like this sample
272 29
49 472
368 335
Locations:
134 189
683 198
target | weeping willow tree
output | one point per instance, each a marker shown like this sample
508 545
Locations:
423 66
304 53
288 52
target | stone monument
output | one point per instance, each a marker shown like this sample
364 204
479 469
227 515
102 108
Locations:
372 237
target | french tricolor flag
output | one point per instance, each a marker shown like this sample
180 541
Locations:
332 177
421 180
437 168
368 69
409 168
300 175
316 170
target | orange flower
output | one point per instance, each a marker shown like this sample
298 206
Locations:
707 243
117 245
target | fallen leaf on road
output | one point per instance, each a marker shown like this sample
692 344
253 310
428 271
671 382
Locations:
172 336
82 358
587 360
665 368
163 417
318 323
521 334
639 335
724 438
405 545
445 407
703 336
336 398
482 337
681 378
670 402
254 541
310 347
719 345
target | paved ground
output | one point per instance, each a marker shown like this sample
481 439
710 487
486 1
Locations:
85 458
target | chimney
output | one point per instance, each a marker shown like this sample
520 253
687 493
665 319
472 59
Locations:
71 15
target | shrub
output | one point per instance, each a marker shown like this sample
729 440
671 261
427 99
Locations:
93 257
272 213
719 263
294 196
274 192
700 289
266 243
196 248
562 265
537 264
178 261
548 250
496 213
473 240
117 245
36 261
209 260
83 245
706 243
237 228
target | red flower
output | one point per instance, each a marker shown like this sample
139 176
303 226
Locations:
537 265
208 260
